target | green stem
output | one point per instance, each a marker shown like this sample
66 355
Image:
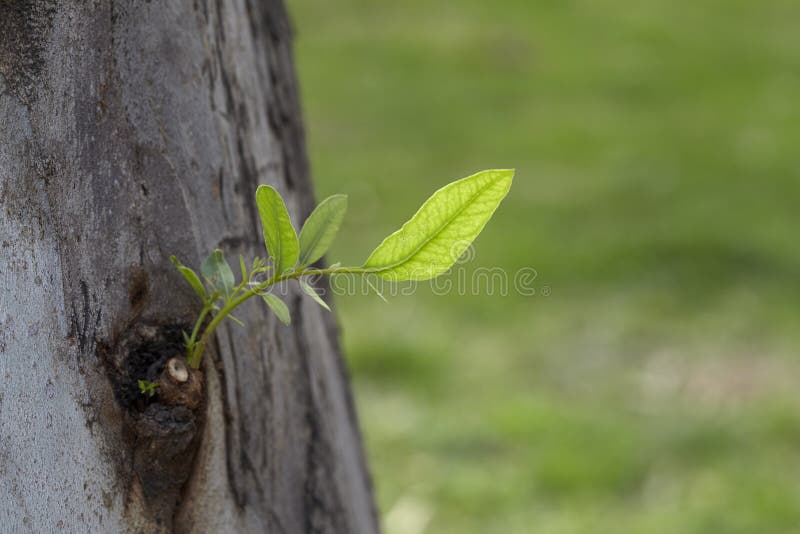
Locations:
199 323
196 353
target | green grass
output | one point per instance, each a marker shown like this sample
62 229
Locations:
657 189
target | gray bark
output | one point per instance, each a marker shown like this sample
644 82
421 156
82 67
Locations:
130 131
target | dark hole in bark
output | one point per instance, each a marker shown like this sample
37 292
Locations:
142 354
163 433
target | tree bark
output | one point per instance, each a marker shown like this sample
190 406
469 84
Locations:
133 130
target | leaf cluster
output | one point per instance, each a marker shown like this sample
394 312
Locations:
423 248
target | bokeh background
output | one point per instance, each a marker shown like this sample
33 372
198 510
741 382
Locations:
652 383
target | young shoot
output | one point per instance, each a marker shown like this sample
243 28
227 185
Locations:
423 248
147 388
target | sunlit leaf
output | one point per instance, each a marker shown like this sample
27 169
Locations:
442 229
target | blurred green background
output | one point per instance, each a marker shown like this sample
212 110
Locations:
651 383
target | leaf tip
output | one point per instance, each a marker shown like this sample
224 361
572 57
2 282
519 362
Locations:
506 173
264 187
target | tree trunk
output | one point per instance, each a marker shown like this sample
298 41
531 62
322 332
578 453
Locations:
133 130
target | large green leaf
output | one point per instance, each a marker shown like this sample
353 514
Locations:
320 228
442 229
215 267
279 235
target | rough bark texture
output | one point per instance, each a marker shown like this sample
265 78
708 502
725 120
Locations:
133 130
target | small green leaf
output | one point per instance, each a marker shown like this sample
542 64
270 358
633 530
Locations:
279 235
311 292
147 388
320 228
191 277
278 307
235 320
442 229
216 268
259 266
375 289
